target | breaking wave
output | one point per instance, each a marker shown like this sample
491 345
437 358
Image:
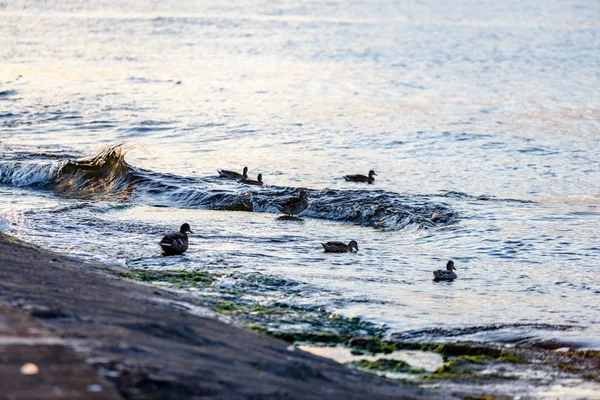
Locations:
104 176
107 176
28 173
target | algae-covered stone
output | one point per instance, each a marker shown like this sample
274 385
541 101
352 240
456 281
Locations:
386 365
190 278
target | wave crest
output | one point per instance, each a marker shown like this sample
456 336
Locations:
103 176
107 176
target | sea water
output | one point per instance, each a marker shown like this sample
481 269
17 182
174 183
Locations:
481 119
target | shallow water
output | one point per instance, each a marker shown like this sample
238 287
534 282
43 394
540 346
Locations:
532 383
481 120
427 361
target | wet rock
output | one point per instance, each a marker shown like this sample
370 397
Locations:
365 342
44 312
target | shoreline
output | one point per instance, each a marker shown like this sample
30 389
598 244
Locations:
148 344
150 341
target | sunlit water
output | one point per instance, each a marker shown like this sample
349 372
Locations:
482 121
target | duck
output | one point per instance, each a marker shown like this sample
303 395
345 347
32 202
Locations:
361 178
445 274
294 205
223 173
257 182
339 247
174 243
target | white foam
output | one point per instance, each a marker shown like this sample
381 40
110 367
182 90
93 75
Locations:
27 173
11 220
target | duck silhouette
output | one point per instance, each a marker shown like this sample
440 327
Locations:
175 242
257 182
445 274
294 205
340 247
223 173
361 178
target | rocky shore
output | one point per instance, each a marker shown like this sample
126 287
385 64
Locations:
72 330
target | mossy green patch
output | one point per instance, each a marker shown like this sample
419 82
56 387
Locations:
17 241
459 349
509 358
476 359
593 355
181 278
568 367
449 368
287 322
257 328
227 307
459 369
478 354
309 337
385 365
295 324
590 354
234 308
585 363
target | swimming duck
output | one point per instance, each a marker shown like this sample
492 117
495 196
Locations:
175 242
223 173
445 274
339 247
361 178
257 182
294 205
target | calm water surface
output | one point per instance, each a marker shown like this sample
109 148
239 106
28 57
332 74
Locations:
482 120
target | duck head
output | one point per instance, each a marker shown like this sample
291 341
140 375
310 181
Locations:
450 266
302 195
185 228
245 173
259 178
371 173
353 245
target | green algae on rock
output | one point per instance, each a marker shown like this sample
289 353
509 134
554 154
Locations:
466 363
181 278
384 364
466 367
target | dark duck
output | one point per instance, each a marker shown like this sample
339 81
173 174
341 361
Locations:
340 247
294 205
223 173
257 182
445 274
361 178
175 242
